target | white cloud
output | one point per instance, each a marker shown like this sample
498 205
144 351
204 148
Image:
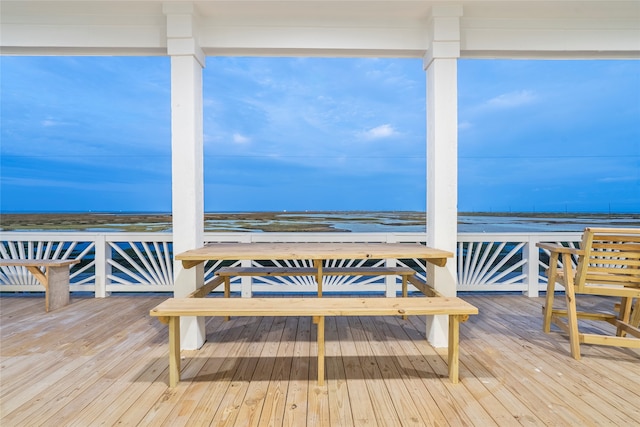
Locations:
512 99
240 139
50 122
619 179
379 132
464 125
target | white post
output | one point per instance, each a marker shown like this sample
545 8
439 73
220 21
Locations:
187 61
390 281
102 266
441 64
532 255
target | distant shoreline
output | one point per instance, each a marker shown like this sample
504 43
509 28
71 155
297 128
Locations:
307 221
465 213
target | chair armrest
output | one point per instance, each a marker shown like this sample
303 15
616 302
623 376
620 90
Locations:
553 247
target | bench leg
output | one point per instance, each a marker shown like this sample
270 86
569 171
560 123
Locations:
174 350
453 350
321 350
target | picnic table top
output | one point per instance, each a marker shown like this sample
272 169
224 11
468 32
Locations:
312 250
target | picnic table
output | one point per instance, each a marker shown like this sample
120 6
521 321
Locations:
195 304
318 252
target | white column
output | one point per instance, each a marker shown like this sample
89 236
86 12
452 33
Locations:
441 65
187 165
102 266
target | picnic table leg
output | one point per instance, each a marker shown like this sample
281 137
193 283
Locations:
404 292
454 350
227 292
174 350
320 350
317 263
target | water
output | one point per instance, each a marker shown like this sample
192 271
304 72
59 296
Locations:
510 224
358 222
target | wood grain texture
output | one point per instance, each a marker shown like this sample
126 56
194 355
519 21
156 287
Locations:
104 362
267 251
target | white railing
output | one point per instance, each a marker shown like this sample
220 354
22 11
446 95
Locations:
143 262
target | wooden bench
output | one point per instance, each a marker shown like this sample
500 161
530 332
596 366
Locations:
172 309
55 278
608 264
228 272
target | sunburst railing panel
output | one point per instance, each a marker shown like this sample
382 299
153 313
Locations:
146 263
16 278
114 262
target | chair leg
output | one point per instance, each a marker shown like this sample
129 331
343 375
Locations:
572 311
551 284
635 318
624 315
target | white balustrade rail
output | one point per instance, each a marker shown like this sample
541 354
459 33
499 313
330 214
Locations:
143 262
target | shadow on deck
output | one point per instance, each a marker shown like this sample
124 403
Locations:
104 361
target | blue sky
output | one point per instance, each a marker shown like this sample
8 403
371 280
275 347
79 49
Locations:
93 134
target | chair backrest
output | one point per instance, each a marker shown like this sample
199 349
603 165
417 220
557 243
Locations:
611 257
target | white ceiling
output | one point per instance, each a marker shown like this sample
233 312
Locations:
510 29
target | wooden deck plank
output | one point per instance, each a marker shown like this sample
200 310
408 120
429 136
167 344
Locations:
618 371
406 410
550 382
362 408
254 400
317 396
214 381
67 354
384 411
163 409
546 365
241 375
274 401
455 402
67 393
296 404
429 410
19 311
114 379
340 412
122 404
103 361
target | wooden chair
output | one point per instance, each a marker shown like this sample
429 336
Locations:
607 263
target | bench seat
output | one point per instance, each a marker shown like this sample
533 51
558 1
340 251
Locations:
172 309
227 272
311 271
54 279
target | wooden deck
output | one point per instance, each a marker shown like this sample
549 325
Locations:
105 362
